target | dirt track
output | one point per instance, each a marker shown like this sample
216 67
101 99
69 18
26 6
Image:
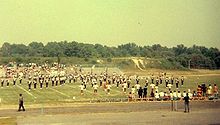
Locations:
206 112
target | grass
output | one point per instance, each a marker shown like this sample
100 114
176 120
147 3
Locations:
54 95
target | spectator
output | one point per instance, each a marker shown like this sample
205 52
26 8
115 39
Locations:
130 97
161 95
209 91
140 92
186 103
215 90
204 88
171 95
174 95
194 94
179 95
199 91
145 92
152 93
157 97
184 94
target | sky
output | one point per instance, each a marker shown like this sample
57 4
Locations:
111 22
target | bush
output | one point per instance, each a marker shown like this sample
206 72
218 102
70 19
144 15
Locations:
86 59
93 62
109 59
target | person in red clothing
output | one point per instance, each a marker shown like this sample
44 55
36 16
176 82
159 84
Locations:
199 91
215 90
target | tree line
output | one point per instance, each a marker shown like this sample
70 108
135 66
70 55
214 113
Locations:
194 56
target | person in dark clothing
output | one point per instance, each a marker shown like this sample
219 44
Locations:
186 102
140 91
182 80
145 92
21 103
177 83
204 89
29 85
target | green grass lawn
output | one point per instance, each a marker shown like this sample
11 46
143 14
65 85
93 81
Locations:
53 95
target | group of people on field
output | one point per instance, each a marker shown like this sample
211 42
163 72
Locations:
158 87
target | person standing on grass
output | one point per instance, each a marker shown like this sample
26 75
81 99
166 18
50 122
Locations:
21 103
95 86
41 83
146 81
14 81
177 83
81 89
172 79
35 84
108 86
29 85
2 83
137 86
182 80
47 82
20 80
133 90
167 81
124 87
7 82
186 103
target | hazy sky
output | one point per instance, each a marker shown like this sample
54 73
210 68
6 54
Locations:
112 22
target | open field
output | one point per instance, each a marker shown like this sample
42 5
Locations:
63 105
70 92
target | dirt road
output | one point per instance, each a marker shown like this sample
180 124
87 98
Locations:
141 113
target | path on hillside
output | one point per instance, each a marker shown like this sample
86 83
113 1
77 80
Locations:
136 62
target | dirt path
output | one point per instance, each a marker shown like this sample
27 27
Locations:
207 112
131 118
136 62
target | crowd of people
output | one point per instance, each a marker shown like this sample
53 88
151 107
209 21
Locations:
157 87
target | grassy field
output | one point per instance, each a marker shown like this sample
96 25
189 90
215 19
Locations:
49 101
70 92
